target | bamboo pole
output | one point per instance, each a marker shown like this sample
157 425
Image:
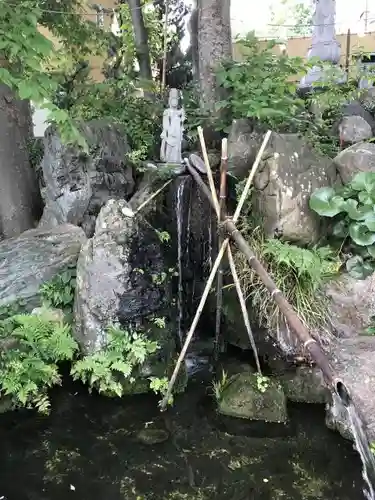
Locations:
242 301
220 274
251 176
209 172
150 198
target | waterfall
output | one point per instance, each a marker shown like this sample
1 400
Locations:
180 220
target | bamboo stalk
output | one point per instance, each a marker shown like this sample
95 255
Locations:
209 171
220 274
142 205
242 301
251 176
194 324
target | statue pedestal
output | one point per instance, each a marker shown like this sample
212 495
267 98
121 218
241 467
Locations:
167 169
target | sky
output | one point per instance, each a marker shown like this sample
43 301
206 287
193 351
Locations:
348 15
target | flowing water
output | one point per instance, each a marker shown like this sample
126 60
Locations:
361 442
91 448
180 235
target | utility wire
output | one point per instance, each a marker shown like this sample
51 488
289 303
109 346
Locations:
298 25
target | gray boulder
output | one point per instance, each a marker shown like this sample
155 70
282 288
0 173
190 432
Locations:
305 385
351 304
78 185
353 129
284 182
243 146
358 158
120 282
354 362
35 257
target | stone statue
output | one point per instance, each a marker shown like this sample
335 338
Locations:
173 120
324 44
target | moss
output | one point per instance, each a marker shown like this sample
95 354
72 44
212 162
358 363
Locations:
241 398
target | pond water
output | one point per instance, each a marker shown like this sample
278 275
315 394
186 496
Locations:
89 448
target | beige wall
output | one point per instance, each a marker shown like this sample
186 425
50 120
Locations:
298 47
96 62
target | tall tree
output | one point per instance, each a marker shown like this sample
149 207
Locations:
24 76
140 39
215 45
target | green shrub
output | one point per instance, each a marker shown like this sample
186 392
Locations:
352 210
59 292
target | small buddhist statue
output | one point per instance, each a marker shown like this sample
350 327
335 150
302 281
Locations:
173 120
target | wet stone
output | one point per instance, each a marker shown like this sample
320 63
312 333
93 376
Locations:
153 435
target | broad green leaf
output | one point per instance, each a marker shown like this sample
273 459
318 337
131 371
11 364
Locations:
361 235
324 201
358 268
369 221
355 211
371 251
367 197
363 181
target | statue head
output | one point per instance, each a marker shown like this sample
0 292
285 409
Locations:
173 98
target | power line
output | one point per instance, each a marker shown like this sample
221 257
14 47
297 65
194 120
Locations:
85 13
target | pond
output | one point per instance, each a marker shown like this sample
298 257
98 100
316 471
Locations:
91 447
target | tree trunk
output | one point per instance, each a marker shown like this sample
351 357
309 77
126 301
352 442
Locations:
140 39
194 47
20 201
215 44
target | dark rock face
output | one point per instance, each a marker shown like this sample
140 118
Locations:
119 276
193 232
35 257
78 185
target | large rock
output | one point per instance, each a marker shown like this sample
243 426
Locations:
78 185
354 362
353 129
35 257
119 281
305 385
243 146
287 177
351 304
358 158
241 398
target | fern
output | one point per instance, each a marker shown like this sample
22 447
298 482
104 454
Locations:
106 370
30 368
59 292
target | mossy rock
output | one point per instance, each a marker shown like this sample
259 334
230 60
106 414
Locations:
305 385
241 398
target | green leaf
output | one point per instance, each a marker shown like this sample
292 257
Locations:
370 221
371 251
324 201
358 268
355 211
363 181
361 235
367 198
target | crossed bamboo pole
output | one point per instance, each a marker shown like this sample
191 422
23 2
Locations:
229 225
